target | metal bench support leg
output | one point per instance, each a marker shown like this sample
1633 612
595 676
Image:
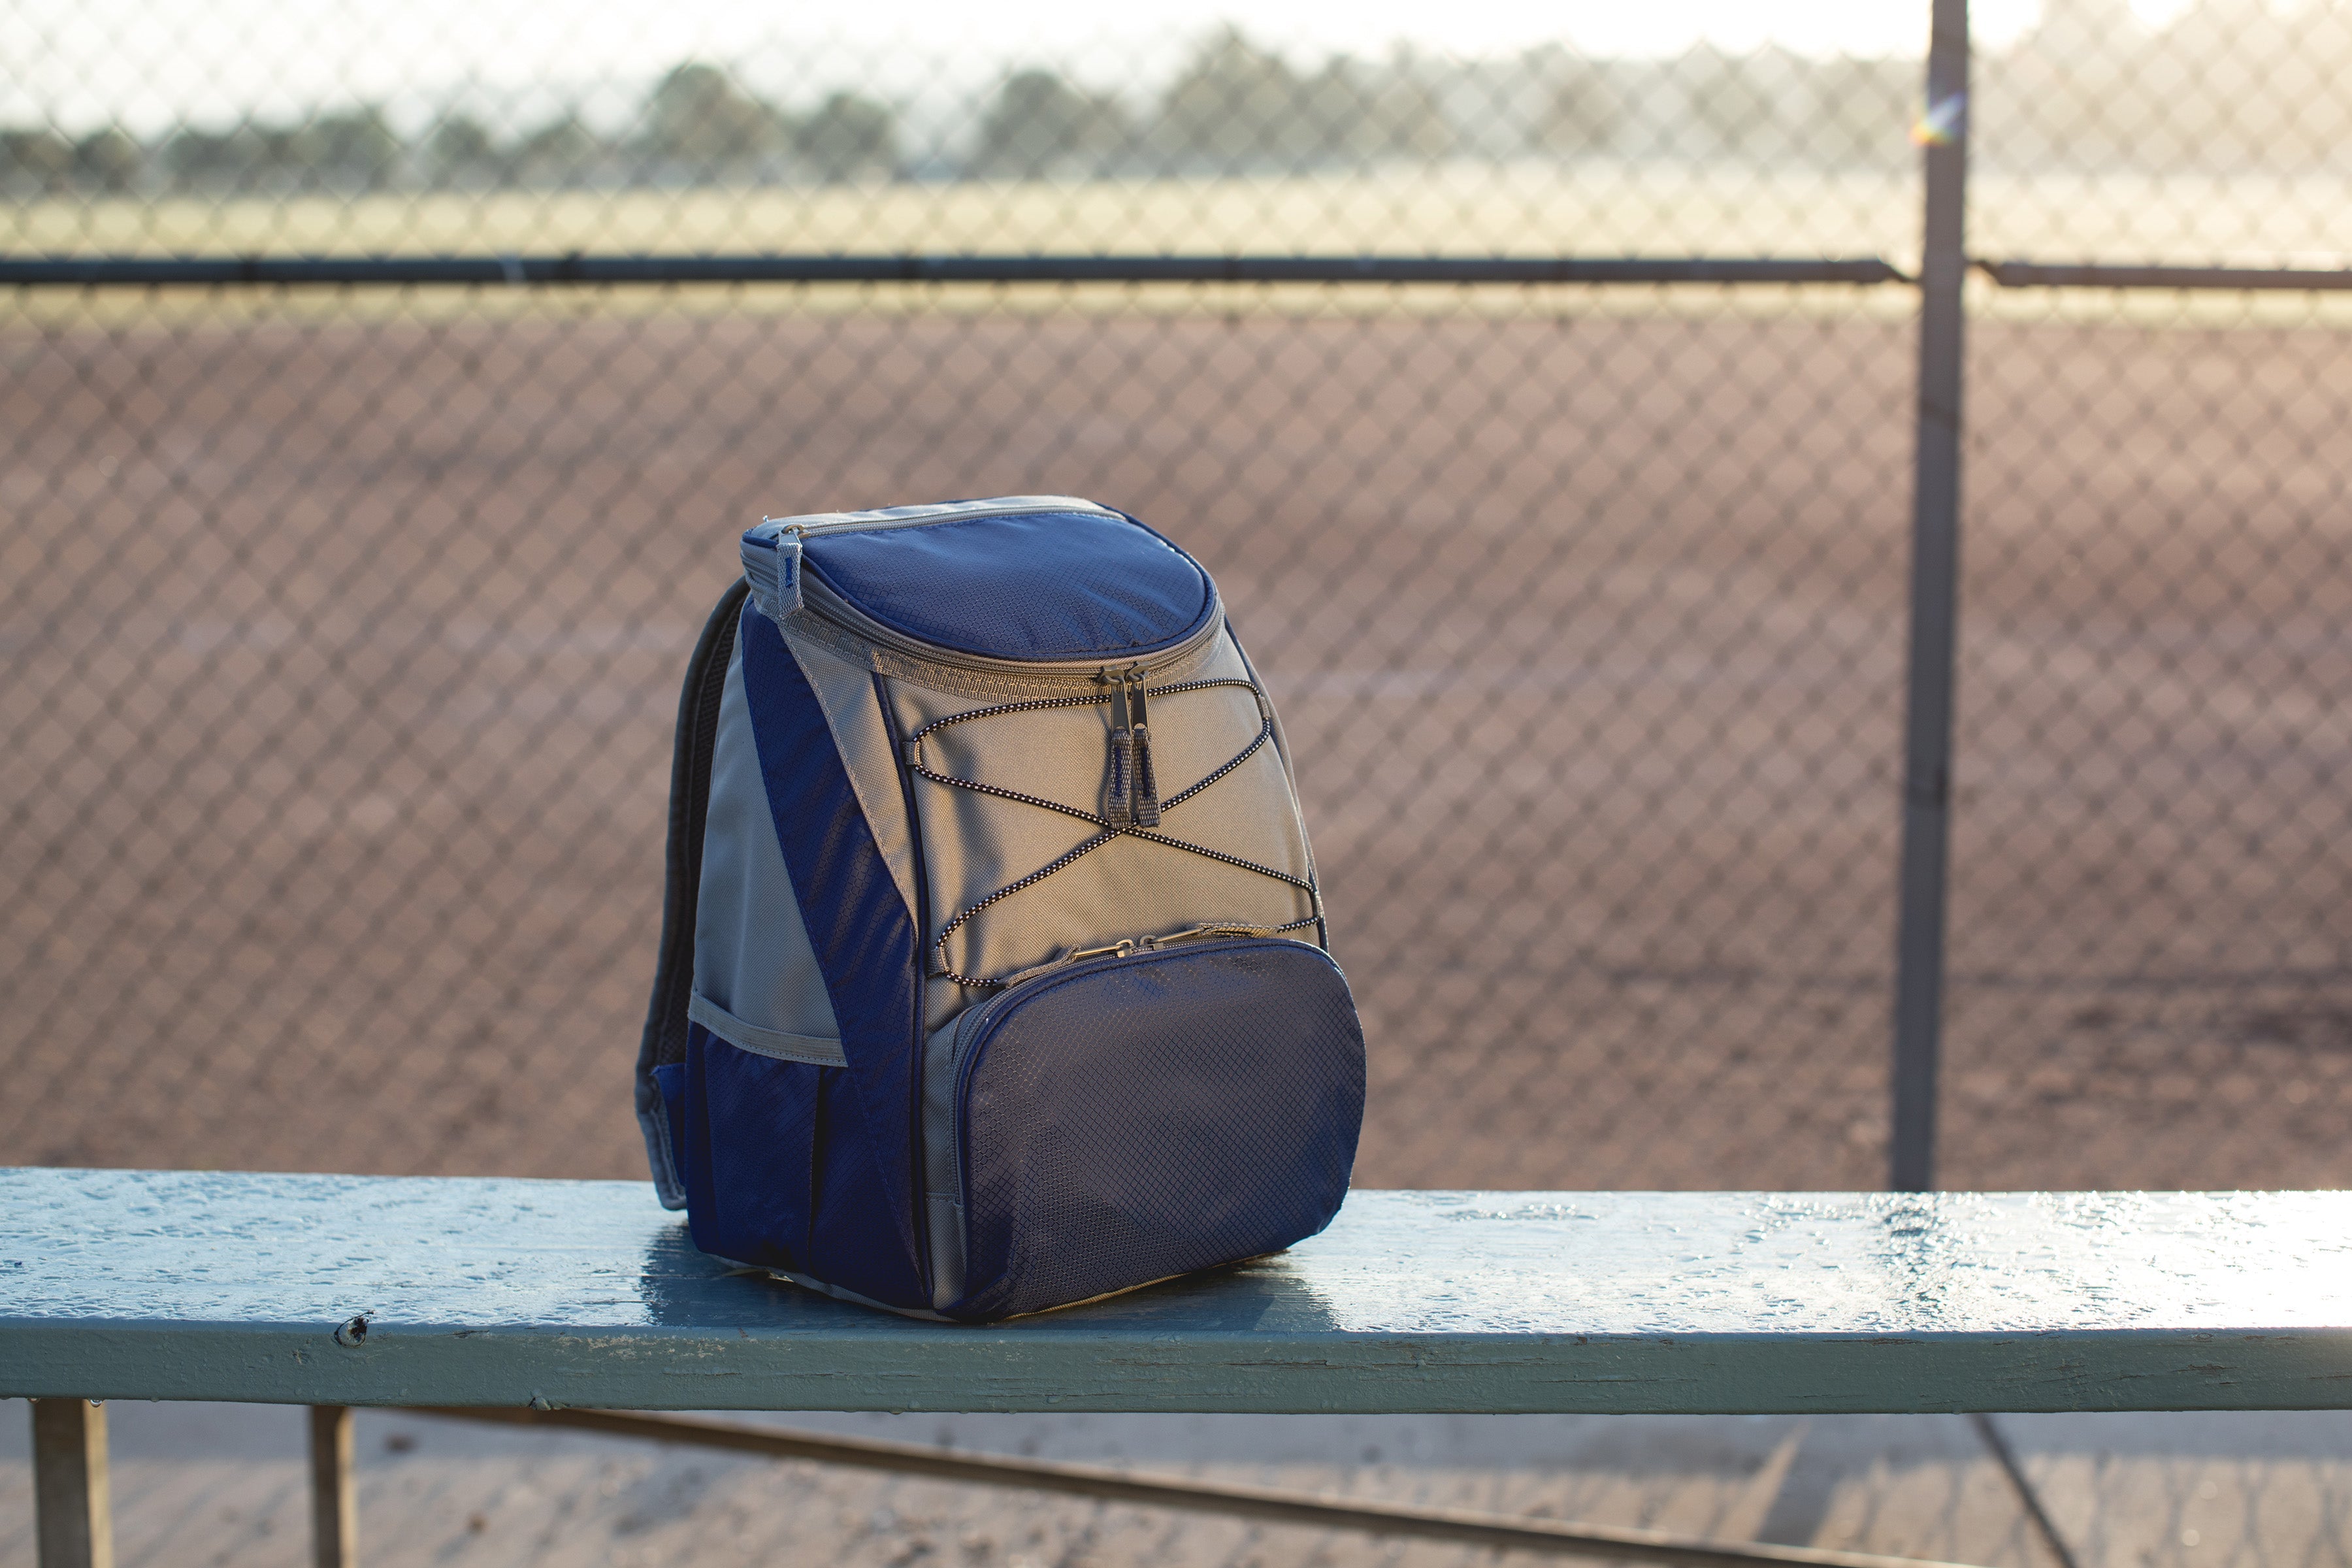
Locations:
334 1505
74 1520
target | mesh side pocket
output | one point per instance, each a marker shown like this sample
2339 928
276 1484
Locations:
751 1131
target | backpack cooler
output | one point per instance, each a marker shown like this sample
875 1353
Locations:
993 975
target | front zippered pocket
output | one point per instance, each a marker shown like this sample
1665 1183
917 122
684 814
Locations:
1122 1118
970 1023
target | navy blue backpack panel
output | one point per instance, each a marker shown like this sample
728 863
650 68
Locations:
968 1005
1150 1115
1043 586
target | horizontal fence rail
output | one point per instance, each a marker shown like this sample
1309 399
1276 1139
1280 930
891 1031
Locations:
2104 275
1459 1526
580 267
161 271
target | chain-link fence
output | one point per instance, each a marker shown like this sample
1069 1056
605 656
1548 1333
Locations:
343 619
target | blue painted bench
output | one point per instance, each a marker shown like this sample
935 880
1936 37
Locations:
334 1291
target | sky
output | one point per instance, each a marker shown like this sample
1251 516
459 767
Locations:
149 63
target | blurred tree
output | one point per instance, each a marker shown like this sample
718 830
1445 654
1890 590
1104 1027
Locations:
194 157
2234 86
1859 113
1582 109
1732 113
35 160
351 147
1232 106
107 160
849 137
699 115
2068 95
284 154
563 152
2298 118
457 147
2225 87
1354 113
1041 124
1236 106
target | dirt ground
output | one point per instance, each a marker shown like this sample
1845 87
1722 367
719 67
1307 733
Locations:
341 659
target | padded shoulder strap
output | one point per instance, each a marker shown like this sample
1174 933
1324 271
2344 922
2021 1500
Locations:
664 1044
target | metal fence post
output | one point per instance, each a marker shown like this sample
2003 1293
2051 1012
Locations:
1934 570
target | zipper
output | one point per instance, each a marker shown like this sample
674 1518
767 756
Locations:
978 1017
921 516
1122 948
967 1031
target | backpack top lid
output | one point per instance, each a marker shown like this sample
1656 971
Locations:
1046 578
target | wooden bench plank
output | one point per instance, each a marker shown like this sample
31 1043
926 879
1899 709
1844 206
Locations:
352 1290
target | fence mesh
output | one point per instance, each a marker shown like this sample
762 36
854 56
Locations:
2152 972
346 778
342 625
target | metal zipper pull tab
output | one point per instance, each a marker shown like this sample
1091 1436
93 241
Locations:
1147 786
1214 929
1069 956
1118 793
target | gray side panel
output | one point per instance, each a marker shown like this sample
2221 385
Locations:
1289 767
752 954
846 693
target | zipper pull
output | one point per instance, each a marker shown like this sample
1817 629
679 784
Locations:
1147 786
1070 955
1118 795
1214 929
771 560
